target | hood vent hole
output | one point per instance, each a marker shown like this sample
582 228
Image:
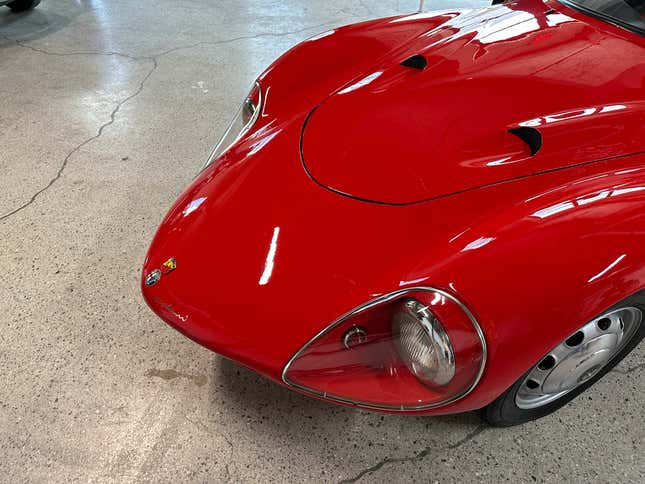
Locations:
415 62
531 136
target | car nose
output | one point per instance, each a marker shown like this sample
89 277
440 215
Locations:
258 267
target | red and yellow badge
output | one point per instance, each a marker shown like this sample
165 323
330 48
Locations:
168 266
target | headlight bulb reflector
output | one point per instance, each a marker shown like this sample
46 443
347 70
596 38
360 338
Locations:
423 344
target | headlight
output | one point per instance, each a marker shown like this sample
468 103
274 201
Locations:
423 344
413 349
244 119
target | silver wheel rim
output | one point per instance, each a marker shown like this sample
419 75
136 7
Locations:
578 358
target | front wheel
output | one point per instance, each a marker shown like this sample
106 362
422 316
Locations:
22 5
572 366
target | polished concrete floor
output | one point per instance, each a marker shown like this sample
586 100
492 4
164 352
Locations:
107 109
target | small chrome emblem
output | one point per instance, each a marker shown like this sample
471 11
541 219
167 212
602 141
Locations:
168 266
153 277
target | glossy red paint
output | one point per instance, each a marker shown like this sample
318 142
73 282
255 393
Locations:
267 258
402 135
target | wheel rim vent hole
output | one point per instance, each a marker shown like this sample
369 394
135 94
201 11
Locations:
532 384
547 363
604 324
576 339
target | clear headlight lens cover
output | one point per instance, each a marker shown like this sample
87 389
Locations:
244 119
423 344
413 349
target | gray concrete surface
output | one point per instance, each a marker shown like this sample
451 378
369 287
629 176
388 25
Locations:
107 109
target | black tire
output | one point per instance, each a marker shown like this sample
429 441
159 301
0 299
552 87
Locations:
504 412
22 5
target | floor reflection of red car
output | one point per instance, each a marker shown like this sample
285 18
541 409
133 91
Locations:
426 214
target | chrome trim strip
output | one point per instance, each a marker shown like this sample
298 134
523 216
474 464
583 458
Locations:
245 129
376 302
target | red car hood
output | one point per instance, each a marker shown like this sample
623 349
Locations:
400 135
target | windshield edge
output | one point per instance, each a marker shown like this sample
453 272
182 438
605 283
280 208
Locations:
601 16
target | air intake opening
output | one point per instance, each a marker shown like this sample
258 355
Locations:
415 62
531 136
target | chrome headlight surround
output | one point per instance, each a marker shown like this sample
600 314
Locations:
244 119
346 321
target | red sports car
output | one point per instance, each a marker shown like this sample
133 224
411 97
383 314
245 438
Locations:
426 214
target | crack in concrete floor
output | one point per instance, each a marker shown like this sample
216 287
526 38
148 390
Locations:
627 371
416 457
153 59
278 449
